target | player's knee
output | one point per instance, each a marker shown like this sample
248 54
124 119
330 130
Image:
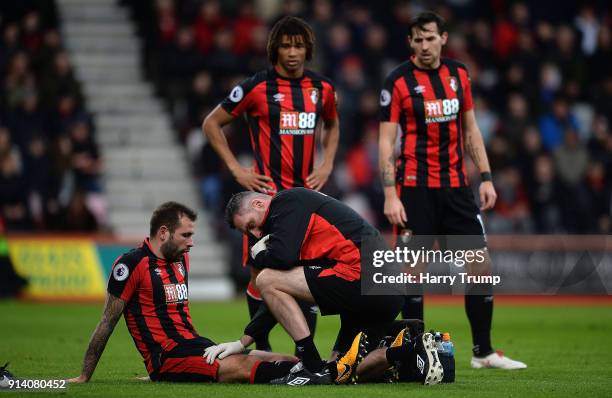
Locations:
266 279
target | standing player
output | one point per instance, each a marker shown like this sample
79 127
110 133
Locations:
426 190
149 287
283 105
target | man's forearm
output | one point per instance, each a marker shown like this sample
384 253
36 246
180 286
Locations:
386 157
387 169
96 347
329 142
217 139
477 151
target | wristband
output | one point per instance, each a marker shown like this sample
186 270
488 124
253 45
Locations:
486 176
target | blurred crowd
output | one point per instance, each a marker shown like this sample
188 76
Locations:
49 161
540 73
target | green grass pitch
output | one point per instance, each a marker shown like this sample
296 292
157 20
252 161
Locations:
568 350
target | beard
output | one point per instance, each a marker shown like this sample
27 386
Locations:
170 251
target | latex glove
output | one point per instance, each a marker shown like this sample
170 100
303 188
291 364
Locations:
222 350
259 246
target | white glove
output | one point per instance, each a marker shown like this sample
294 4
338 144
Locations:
259 246
222 350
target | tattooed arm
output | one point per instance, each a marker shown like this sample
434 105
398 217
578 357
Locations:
394 209
474 143
112 312
475 147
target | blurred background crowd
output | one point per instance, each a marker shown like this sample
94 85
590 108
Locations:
540 74
49 160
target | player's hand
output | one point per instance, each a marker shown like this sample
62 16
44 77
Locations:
260 246
222 350
78 380
319 176
248 178
488 196
394 211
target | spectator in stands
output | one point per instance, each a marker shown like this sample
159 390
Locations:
9 45
27 120
222 59
18 81
600 196
208 22
180 61
77 216
13 194
571 161
59 80
555 123
546 197
41 184
86 162
516 119
512 207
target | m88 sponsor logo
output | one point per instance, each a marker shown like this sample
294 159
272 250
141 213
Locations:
441 110
176 292
297 123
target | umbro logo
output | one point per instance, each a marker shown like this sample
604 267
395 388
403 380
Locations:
420 364
420 89
299 381
279 97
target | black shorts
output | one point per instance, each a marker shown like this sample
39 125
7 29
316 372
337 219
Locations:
370 314
441 212
186 363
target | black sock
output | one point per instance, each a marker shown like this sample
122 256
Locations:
479 309
263 372
310 316
413 307
308 353
261 343
333 369
398 354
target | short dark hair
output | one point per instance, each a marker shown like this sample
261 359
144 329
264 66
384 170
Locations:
290 26
169 214
234 206
424 18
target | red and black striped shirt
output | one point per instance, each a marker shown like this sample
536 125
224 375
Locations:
157 297
428 105
282 116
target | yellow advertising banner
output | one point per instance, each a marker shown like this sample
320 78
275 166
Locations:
58 268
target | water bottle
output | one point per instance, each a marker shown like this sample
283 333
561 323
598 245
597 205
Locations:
447 344
446 353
